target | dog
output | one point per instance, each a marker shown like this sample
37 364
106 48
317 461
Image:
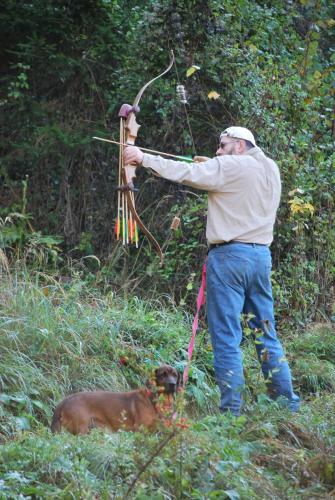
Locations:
81 412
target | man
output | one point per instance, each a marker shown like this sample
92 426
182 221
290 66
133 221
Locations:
243 196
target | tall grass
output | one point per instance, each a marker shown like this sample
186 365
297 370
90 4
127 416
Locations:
57 337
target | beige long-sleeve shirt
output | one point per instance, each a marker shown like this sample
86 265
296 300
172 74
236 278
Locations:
243 193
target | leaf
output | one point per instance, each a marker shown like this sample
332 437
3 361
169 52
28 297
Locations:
5 398
22 423
20 216
232 494
192 70
297 205
252 47
93 257
17 476
296 190
213 95
309 207
40 405
317 75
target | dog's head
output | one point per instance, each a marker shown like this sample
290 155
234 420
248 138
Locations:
168 377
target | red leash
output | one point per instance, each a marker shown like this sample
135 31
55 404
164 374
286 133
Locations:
201 300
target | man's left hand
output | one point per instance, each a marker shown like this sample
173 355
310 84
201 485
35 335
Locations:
133 156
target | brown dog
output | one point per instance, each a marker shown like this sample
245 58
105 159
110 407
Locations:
83 411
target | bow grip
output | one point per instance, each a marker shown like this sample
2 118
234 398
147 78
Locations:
129 176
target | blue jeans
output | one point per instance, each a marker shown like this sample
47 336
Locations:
238 281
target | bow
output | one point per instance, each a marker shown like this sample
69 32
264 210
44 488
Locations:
126 200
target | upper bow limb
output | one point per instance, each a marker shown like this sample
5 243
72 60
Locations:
129 129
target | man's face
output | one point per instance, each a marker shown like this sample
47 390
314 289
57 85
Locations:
228 146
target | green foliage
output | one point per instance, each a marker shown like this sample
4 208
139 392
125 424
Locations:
105 465
18 237
314 368
67 69
58 337
218 457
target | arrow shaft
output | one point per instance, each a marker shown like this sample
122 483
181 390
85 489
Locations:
142 149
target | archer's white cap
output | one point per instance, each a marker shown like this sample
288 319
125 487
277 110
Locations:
239 133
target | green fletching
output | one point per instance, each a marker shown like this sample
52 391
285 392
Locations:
189 159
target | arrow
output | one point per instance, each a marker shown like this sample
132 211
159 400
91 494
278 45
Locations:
182 158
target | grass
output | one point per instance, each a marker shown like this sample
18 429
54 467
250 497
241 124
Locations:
58 338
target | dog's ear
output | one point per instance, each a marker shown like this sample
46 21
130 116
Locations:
180 386
152 381
148 383
155 375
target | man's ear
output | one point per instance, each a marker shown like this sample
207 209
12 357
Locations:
242 146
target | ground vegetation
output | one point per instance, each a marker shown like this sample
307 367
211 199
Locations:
67 67
80 311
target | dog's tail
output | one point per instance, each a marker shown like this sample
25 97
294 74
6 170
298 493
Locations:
56 423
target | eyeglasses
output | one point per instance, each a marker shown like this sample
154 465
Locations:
222 145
